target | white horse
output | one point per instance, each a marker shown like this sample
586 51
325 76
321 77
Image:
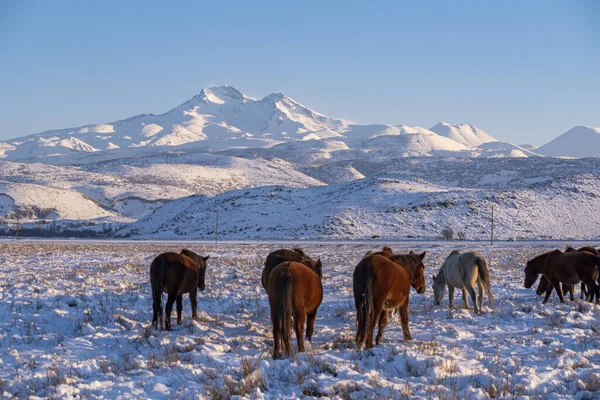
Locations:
463 270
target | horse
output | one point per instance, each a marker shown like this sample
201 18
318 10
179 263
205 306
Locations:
463 270
386 251
382 283
570 268
277 257
175 274
295 291
543 285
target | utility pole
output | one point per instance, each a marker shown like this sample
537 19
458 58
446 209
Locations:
217 226
18 228
492 233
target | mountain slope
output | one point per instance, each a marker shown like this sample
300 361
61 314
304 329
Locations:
386 207
581 141
217 118
467 135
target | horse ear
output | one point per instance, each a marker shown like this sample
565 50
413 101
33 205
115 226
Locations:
206 258
411 252
319 264
422 255
433 276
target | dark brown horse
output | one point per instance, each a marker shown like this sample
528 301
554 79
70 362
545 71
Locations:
381 283
295 292
175 274
277 257
543 285
568 268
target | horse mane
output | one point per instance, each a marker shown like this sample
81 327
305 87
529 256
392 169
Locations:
409 266
569 249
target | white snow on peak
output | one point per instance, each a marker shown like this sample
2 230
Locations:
468 135
581 141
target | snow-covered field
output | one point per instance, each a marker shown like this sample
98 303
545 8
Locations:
76 322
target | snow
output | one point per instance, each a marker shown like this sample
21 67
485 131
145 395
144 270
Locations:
468 135
581 141
77 315
223 118
390 207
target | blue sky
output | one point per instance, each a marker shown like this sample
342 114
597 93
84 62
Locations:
523 71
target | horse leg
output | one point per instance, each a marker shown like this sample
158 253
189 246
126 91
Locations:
450 297
377 310
592 290
404 319
383 319
465 298
556 285
581 295
276 339
299 328
179 308
569 289
155 313
194 301
168 310
480 287
548 293
310 325
471 291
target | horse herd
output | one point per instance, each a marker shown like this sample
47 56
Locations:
381 282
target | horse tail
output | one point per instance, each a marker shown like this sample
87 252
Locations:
485 277
282 317
363 297
158 268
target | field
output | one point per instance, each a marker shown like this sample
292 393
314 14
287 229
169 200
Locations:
75 324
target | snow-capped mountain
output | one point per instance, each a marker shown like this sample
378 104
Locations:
215 119
467 135
581 141
223 118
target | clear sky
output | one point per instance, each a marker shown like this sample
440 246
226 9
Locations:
524 71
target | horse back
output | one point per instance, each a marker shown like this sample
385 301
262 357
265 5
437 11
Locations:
589 249
277 257
181 273
572 266
307 286
390 277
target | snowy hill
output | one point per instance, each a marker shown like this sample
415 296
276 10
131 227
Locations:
581 141
387 207
467 135
133 188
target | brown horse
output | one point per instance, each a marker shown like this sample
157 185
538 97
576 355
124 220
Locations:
295 291
543 285
175 274
381 283
569 268
277 257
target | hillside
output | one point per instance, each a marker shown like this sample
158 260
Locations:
386 207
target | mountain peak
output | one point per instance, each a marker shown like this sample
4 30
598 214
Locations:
274 97
220 94
468 135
